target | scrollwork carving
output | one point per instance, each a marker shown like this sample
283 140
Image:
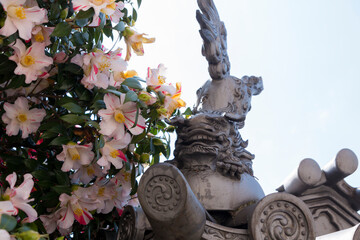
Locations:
163 194
216 232
282 216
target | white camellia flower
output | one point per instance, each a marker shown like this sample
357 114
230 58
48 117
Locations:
112 154
17 116
119 115
30 61
110 8
74 156
19 196
22 18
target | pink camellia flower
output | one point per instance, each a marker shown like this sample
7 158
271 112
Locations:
98 67
19 196
31 61
172 100
74 156
155 77
117 77
135 41
119 115
112 154
21 18
86 173
6 207
41 34
110 8
61 57
17 116
5 235
76 208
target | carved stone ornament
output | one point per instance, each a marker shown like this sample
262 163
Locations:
282 216
208 191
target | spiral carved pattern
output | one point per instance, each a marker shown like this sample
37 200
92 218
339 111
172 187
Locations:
162 194
283 220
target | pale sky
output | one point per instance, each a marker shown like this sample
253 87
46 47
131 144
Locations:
307 53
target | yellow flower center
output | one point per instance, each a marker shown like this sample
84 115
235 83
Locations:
6 197
103 66
119 116
90 171
101 191
21 117
161 79
78 211
111 6
114 154
27 61
127 176
98 2
39 37
74 154
16 12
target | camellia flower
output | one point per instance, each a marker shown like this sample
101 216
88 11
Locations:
119 76
155 77
19 196
30 61
97 66
5 235
76 208
17 116
135 41
74 156
173 101
112 154
41 34
21 18
110 8
86 173
119 115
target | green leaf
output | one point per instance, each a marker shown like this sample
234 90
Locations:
62 29
62 140
7 222
92 123
62 177
78 39
134 15
132 83
131 96
187 112
157 142
73 107
85 14
82 22
120 26
73 118
73 68
139 3
49 134
62 189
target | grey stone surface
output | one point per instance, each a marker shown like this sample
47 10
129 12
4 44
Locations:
208 191
282 216
169 204
352 233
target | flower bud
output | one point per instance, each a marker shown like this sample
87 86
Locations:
144 97
64 13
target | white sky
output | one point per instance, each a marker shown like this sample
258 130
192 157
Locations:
308 55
